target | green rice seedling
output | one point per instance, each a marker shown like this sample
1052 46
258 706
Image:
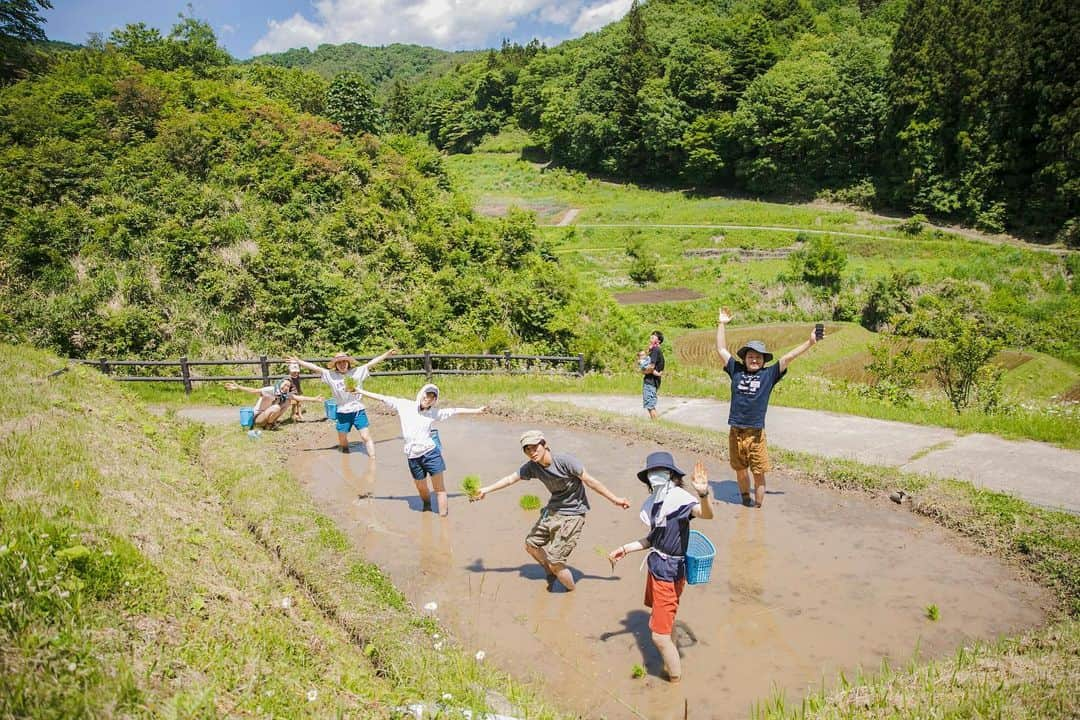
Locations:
529 502
350 383
932 613
470 485
638 671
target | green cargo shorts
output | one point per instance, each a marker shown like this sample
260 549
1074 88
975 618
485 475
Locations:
557 534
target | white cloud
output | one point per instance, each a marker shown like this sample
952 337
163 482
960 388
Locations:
450 24
597 16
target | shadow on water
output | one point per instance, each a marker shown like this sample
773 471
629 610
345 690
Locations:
532 571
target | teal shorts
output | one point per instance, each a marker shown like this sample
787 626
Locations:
348 421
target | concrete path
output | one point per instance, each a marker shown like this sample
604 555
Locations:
1037 472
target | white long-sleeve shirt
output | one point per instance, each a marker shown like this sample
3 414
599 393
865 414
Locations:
416 424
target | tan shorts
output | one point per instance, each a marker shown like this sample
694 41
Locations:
749 449
557 534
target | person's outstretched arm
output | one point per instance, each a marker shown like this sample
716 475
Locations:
699 480
495 486
376 396
722 319
379 358
796 352
446 413
306 398
594 484
305 364
623 550
234 386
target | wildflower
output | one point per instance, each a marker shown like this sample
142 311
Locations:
435 636
447 696
71 667
63 593
431 606
286 603
480 655
107 553
312 694
438 645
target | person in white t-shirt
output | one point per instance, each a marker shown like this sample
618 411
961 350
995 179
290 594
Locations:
421 443
346 381
273 399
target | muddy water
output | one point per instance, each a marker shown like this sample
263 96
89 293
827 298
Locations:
813 584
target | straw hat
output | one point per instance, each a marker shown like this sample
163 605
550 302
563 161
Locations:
338 357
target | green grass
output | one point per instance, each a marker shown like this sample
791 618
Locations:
149 569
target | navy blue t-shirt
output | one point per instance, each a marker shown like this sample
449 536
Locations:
672 540
750 393
656 359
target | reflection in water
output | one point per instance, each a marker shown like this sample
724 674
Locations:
436 554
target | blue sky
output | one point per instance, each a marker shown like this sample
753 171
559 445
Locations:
247 27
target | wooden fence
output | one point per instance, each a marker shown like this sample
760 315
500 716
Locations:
427 364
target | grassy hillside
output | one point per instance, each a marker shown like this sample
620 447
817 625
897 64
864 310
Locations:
381 65
149 570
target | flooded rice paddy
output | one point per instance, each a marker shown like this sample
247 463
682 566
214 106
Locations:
815 583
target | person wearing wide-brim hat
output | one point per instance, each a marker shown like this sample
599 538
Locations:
667 513
346 380
555 534
752 383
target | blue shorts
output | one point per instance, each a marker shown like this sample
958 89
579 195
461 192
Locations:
648 396
348 421
430 463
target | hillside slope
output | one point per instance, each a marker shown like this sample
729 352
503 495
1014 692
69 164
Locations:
147 569
169 212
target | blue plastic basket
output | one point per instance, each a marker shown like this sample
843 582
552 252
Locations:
330 408
699 557
247 418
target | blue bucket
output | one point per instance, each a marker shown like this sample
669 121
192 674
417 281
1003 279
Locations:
330 408
247 418
699 557
436 438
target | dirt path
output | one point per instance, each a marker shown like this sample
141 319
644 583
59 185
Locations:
816 583
1037 472
568 217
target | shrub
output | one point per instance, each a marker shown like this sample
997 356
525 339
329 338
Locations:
820 264
914 225
895 370
959 357
644 270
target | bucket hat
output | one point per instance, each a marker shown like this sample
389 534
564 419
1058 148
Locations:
339 357
658 460
756 346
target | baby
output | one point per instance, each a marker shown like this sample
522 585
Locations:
643 360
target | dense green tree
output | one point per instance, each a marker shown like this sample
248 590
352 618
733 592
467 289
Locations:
20 25
350 102
984 118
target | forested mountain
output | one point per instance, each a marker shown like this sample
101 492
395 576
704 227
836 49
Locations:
966 109
181 205
379 65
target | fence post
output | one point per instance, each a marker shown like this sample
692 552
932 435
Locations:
185 373
103 365
506 360
427 364
265 369
581 365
